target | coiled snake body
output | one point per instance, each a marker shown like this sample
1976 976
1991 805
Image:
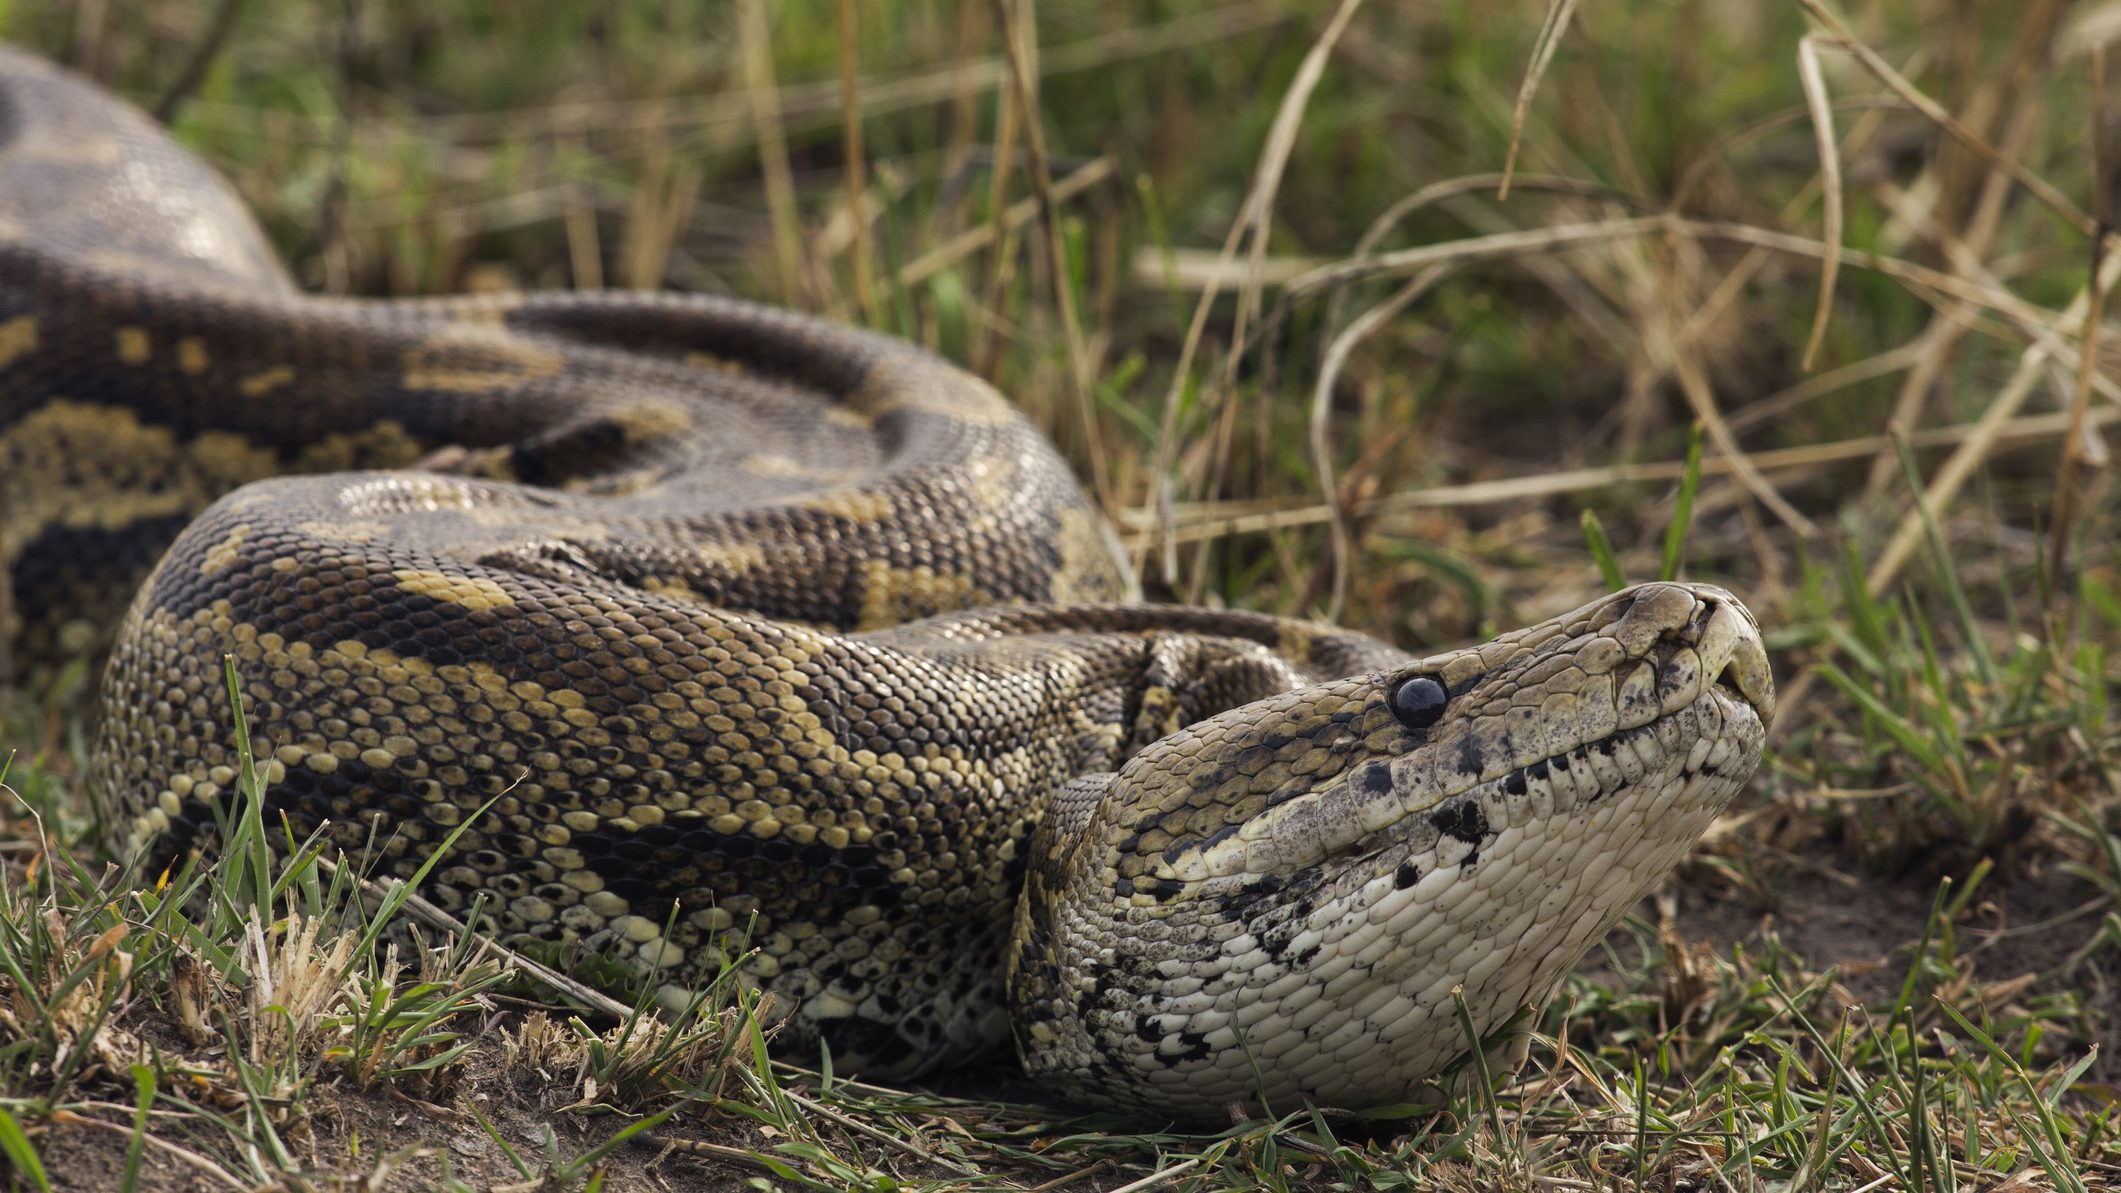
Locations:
765 634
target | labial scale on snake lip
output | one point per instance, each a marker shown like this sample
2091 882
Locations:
775 640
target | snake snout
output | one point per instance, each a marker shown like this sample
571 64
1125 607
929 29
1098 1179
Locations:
1699 639
1724 635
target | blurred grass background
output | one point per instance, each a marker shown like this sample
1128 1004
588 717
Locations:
398 148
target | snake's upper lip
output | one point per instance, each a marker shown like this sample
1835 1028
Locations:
1745 675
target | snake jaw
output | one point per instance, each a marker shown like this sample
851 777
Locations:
1312 950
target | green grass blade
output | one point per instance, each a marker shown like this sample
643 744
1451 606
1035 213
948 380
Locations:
1947 570
1895 726
1683 506
1601 547
2049 1146
15 1144
249 853
143 1098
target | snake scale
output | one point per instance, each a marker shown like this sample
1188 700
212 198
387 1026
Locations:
779 644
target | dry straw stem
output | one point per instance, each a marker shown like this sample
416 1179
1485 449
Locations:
661 208
67 1118
1444 193
2036 31
422 910
1982 439
1811 389
756 45
1017 30
1266 180
1162 1176
895 1142
2035 321
1694 385
806 105
1719 151
1281 142
985 351
1884 73
1815 99
851 142
1192 271
7 613
1543 47
1322 406
1207 520
962 113
201 60
585 252
2077 446
1967 262
1019 213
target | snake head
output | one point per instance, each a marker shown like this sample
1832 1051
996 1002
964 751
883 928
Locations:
1276 904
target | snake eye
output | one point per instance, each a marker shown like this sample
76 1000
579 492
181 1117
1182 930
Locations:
1418 702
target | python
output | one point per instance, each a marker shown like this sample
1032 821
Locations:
766 641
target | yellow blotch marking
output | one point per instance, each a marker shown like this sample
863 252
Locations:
134 346
191 355
224 555
855 505
18 338
85 148
780 467
258 384
993 480
387 444
487 310
770 464
1093 565
719 364
908 384
395 667
892 595
98 466
669 588
222 460
735 557
351 532
646 422
456 363
475 593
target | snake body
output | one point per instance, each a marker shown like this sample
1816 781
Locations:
769 643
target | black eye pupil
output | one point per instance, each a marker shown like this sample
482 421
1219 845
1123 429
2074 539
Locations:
1418 703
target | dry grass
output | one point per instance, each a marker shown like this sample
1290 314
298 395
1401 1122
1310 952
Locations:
1357 311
